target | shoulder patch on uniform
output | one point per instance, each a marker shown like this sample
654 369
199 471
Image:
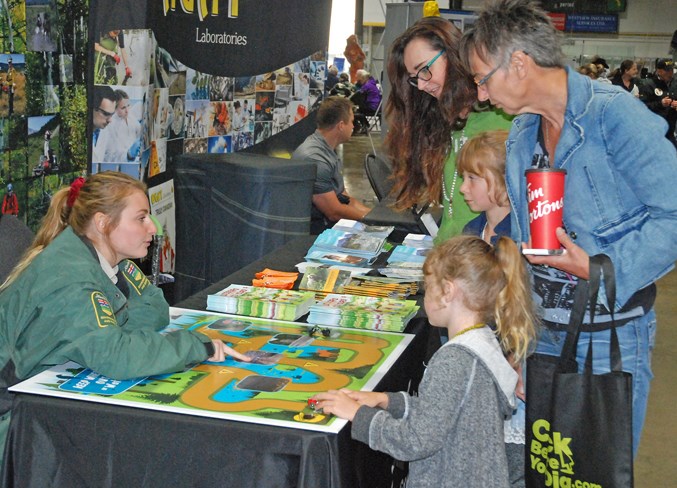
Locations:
135 277
102 310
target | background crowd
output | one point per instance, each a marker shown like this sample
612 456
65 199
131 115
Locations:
658 90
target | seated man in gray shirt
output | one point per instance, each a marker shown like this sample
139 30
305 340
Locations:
330 200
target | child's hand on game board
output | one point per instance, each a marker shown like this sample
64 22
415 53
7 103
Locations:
337 403
373 399
221 351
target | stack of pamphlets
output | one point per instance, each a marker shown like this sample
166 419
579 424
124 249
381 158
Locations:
407 254
405 271
267 303
406 262
346 247
355 226
353 270
337 258
323 280
363 312
418 240
378 286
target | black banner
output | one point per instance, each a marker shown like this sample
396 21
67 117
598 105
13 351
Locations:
239 37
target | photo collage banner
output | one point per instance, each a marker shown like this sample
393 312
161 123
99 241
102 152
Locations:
43 101
202 77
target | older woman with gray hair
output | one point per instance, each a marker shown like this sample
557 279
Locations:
367 98
619 193
370 90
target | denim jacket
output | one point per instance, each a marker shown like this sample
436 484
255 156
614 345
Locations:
620 194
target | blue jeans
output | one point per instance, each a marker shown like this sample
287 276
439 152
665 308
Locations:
636 339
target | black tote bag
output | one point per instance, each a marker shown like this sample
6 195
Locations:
579 425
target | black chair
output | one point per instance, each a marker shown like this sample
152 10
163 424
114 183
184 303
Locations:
374 119
374 122
15 238
379 172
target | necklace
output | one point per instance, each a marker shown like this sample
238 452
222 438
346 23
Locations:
458 144
484 232
467 329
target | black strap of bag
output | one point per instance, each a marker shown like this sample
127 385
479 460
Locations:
602 265
567 359
588 292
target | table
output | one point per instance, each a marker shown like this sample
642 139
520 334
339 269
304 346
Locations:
69 443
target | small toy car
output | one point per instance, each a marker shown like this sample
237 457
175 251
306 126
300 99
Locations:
312 403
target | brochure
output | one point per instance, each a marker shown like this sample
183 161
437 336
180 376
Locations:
270 303
363 312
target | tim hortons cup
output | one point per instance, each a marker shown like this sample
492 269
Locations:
545 196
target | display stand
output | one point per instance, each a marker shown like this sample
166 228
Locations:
231 209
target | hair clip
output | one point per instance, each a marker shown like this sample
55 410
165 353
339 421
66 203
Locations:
75 191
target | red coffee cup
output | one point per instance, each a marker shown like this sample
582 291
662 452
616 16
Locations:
545 196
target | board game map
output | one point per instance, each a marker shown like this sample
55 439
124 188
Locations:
290 363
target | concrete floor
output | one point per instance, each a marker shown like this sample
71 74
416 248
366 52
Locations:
655 466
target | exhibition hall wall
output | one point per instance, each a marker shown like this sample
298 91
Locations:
644 31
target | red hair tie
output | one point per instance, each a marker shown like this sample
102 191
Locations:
75 191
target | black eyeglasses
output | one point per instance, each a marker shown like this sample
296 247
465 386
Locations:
424 73
108 115
484 79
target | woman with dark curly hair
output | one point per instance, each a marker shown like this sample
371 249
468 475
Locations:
430 115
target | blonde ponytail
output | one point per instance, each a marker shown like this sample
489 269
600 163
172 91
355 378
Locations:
514 314
495 284
75 206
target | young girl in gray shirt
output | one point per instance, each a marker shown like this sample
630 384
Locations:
452 433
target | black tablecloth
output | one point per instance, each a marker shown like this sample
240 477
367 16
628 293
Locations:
71 444
68 443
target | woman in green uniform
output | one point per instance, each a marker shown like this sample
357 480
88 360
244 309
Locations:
75 296
432 97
